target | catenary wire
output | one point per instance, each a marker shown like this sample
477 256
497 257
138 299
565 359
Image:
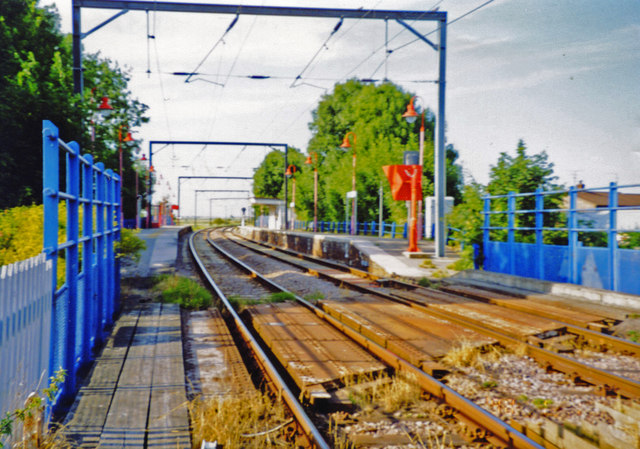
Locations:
218 42
322 47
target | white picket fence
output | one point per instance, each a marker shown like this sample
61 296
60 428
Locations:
25 329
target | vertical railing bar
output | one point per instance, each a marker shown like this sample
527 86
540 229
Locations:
73 189
87 254
100 255
50 158
539 233
511 206
486 237
573 236
613 237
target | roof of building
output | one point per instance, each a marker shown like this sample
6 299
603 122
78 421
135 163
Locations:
601 199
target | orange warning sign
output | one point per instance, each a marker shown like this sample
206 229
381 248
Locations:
400 177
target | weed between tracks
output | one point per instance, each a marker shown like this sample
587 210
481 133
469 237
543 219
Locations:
182 290
238 422
239 302
465 354
391 412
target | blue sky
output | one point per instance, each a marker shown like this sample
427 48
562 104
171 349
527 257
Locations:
562 75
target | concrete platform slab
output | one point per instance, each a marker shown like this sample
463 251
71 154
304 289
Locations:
161 253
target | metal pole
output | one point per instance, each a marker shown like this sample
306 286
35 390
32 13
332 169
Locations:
440 147
150 188
286 194
413 230
354 220
380 223
121 178
137 202
421 162
315 197
77 48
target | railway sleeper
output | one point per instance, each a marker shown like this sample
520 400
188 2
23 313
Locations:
562 343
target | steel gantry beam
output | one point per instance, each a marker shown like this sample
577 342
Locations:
370 14
212 142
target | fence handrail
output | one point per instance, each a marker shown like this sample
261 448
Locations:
605 220
88 298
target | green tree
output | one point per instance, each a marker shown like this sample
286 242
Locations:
374 114
36 84
523 173
467 221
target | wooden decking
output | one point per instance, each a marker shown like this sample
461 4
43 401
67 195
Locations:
135 394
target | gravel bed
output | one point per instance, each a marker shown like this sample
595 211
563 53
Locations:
621 365
289 277
515 387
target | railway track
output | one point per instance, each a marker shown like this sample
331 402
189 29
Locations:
316 352
547 332
593 405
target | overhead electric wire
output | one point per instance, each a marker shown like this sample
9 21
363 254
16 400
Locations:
233 65
471 11
374 52
322 47
220 40
164 98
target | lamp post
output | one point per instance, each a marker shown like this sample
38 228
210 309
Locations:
291 173
127 139
410 116
315 188
347 144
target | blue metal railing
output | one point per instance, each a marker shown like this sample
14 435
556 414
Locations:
609 267
84 304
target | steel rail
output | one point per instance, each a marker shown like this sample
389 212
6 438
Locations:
594 337
312 433
469 411
609 382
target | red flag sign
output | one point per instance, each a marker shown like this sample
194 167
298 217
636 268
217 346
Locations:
400 177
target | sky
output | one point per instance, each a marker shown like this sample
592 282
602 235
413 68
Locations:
562 75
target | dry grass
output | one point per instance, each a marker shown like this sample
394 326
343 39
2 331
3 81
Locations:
238 422
387 393
465 354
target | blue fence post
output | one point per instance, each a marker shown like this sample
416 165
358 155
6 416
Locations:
539 234
573 236
393 230
50 181
117 236
87 256
101 269
614 280
73 191
486 234
511 234
111 217
404 231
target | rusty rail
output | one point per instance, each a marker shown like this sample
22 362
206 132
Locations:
607 381
465 410
307 425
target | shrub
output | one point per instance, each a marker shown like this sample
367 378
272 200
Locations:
130 245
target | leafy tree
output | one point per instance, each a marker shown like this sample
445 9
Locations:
35 84
466 219
374 114
523 173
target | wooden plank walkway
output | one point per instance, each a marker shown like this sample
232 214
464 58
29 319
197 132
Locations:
135 395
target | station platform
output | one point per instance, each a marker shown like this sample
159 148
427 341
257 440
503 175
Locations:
159 256
135 393
381 256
